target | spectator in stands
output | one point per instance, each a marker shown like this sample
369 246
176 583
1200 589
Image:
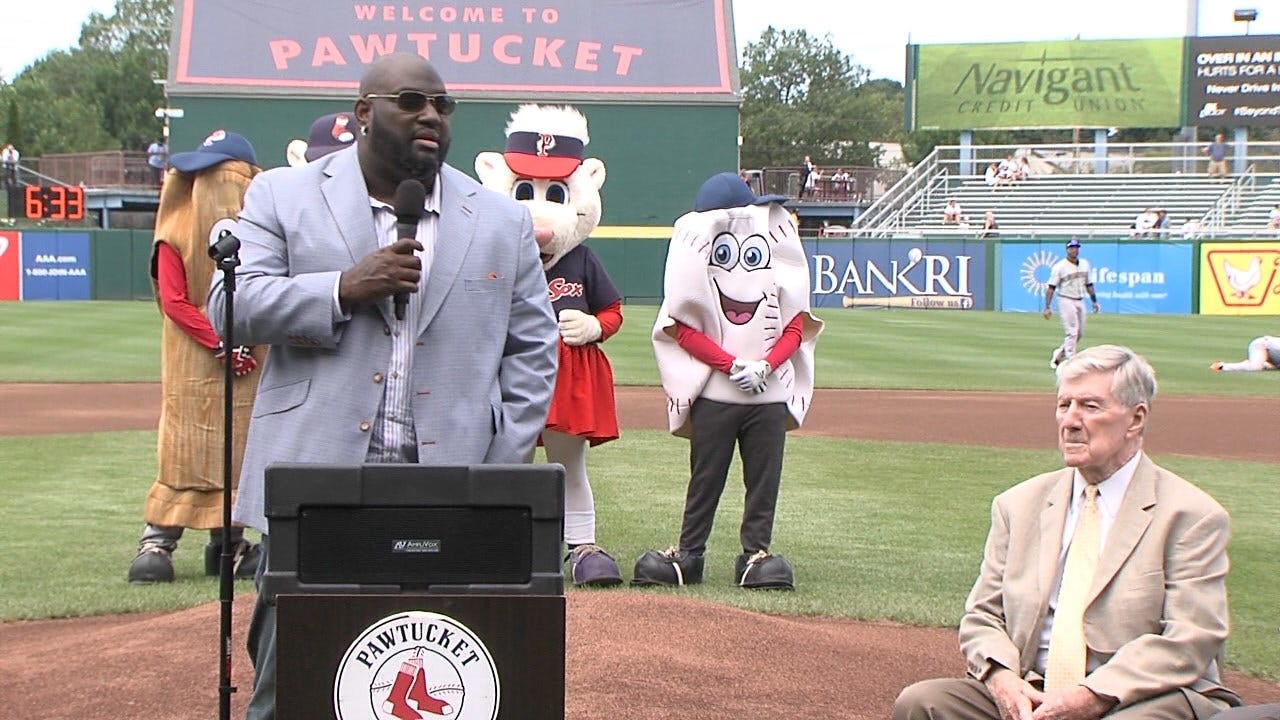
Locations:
1008 168
840 183
989 227
1161 228
1023 171
157 160
10 157
1273 218
952 214
993 177
1190 229
1217 152
807 179
1144 223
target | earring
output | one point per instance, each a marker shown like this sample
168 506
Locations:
364 129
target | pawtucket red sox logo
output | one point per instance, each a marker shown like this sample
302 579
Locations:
559 287
416 666
546 143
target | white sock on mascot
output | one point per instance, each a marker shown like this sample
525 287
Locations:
544 167
734 341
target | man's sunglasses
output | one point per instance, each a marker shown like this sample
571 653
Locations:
414 101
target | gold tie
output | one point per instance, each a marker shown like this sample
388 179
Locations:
1066 664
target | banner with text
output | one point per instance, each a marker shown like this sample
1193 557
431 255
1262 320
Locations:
1056 84
1128 276
1240 278
899 273
556 46
1234 81
55 266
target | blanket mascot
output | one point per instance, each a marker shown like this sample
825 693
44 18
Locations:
543 167
202 187
734 341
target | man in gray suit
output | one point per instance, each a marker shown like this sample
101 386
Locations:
1132 627
464 377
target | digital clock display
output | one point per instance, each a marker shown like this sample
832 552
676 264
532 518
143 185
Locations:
53 202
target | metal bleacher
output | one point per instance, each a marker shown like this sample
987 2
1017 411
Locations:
1074 190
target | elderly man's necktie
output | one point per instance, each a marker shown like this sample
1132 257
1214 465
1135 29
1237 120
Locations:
1066 664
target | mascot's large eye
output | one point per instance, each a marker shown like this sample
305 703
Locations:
755 253
724 251
522 190
557 192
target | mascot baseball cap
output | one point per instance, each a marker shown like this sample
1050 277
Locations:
330 133
540 155
220 146
727 190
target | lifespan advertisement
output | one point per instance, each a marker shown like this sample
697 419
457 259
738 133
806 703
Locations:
1128 276
1240 278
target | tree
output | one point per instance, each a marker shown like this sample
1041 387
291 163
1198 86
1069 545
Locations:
801 96
99 95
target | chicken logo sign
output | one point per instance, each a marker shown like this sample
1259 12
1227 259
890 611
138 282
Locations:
1240 279
416 666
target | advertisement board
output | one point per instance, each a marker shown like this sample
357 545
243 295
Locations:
557 46
55 266
10 279
1128 276
898 273
1240 278
1234 81
1054 84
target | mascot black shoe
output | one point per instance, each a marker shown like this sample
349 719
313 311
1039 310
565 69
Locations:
763 571
672 567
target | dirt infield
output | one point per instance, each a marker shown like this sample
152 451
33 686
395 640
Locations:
631 654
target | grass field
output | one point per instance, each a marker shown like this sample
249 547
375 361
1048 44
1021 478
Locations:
876 530
925 349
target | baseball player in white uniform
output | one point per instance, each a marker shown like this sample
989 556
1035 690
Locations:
1264 354
1069 278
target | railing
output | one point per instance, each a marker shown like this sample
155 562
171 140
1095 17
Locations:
888 211
1216 219
106 169
863 186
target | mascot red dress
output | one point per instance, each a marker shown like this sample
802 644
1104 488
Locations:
544 167
734 341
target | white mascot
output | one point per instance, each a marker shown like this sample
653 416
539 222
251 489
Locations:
545 168
734 341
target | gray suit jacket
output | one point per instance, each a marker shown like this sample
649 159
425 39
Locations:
1156 620
485 360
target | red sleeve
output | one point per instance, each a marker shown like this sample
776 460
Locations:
787 344
610 318
171 278
703 348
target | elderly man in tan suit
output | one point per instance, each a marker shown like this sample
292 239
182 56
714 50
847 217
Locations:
1102 589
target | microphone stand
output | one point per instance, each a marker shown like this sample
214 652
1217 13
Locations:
225 254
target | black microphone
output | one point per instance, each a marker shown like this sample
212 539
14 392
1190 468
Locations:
223 242
409 198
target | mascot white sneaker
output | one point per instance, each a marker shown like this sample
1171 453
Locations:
544 166
734 342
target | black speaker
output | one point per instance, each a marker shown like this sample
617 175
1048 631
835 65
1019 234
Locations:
387 529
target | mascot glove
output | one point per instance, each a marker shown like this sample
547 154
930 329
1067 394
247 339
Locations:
751 375
578 328
241 359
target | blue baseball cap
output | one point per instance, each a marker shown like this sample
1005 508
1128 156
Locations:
220 146
1074 243
727 190
330 133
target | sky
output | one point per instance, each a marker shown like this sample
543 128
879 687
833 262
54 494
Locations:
873 33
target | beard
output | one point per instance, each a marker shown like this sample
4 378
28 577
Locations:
423 167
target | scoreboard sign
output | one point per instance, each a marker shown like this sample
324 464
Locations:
1234 81
53 202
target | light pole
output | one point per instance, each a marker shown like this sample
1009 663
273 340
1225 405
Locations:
1246 16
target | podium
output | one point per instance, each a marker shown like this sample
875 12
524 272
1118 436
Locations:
409 592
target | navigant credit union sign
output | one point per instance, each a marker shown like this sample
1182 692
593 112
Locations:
554 46
1069 83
